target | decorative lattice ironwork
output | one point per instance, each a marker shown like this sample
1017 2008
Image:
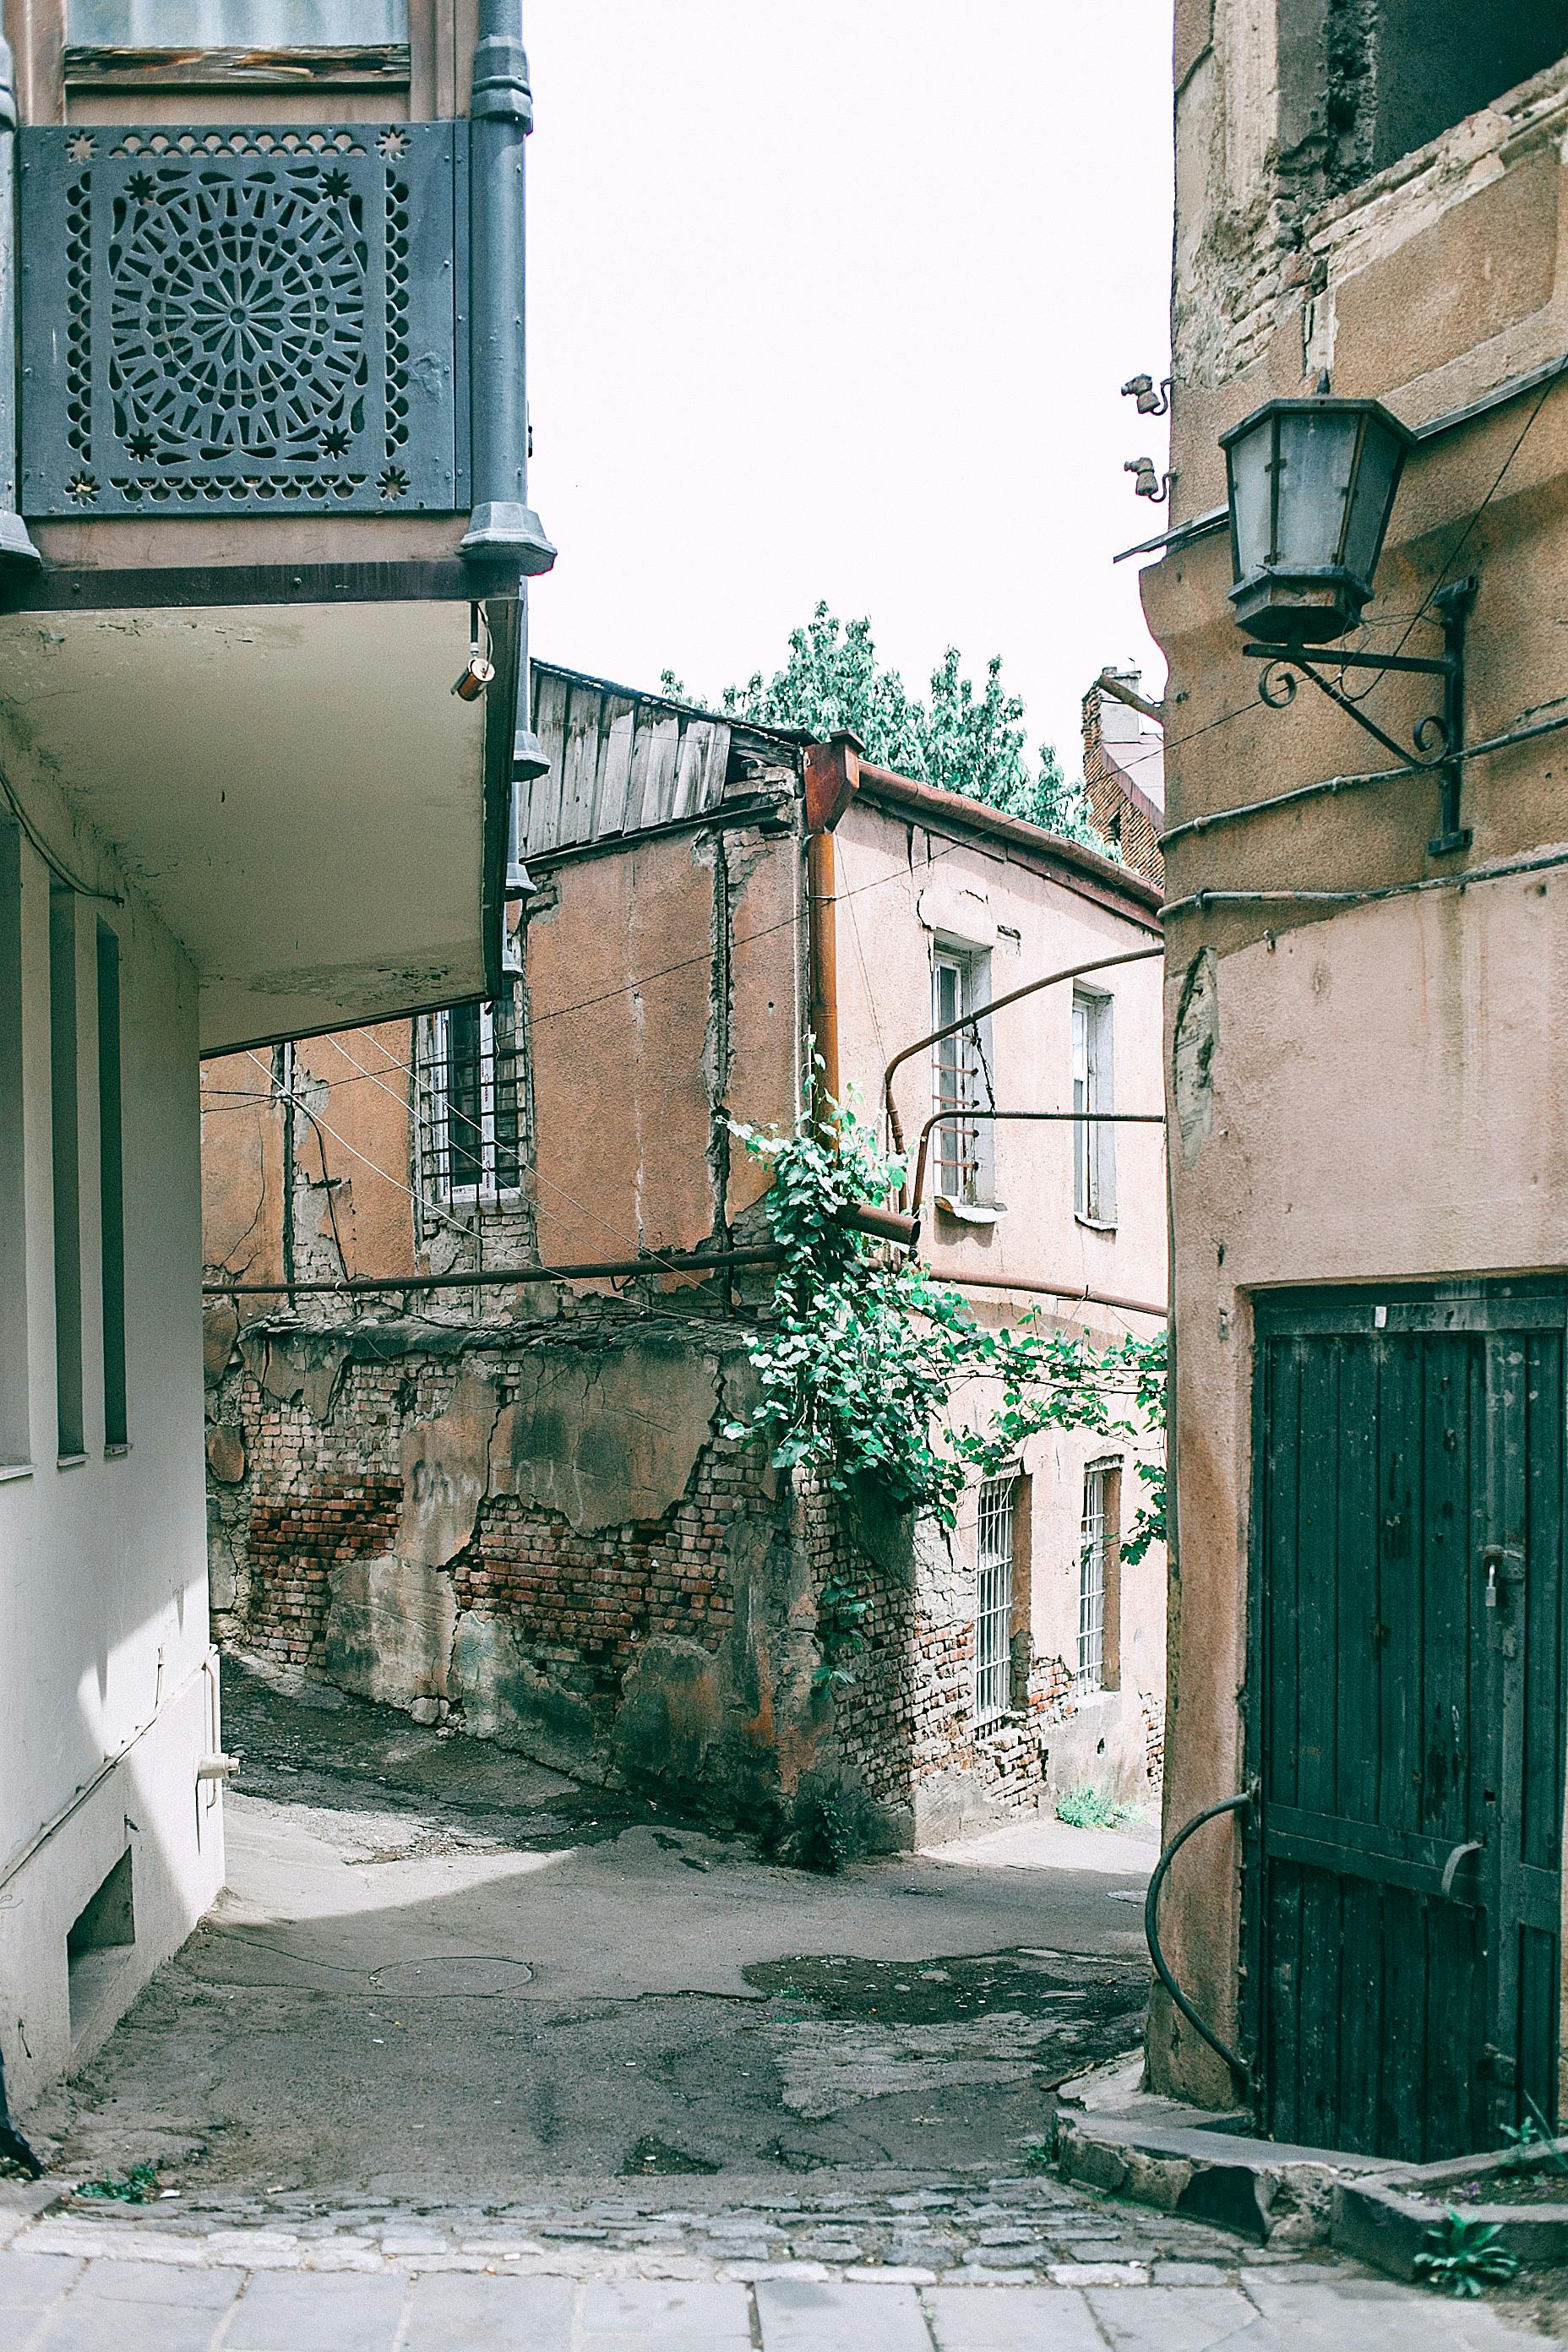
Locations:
236 321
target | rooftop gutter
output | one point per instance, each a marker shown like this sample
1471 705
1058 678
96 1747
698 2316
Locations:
1084 871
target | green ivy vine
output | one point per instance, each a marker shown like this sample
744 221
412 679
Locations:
861 1355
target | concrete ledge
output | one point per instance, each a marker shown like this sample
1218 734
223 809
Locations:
1384 2221
1263 2190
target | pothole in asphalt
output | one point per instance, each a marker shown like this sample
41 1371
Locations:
1057 1986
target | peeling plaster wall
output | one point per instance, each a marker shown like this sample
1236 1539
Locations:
540 1532
1367 1093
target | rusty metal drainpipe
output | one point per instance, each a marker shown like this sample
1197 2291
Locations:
832 780
822 935
983 1012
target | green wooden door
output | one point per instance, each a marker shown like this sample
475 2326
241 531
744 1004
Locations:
1407 1715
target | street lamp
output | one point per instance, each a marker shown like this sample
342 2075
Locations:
1311 487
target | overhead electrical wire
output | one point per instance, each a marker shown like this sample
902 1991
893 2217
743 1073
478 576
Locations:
617 1232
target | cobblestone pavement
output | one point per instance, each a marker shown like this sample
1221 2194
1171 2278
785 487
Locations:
959 2265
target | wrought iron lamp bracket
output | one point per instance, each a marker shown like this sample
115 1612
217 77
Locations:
1437 739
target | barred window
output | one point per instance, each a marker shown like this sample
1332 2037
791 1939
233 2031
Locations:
1094 1540
468 1079
994 1599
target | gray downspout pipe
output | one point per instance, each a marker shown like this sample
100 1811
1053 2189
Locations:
502 527
15 545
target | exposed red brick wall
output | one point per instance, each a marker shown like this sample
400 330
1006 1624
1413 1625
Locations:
322 1488
585 1603
294 1539
1126 817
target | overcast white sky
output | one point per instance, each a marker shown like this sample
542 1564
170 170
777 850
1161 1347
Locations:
834 299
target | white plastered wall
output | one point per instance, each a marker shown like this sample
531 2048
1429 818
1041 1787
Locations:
111 1685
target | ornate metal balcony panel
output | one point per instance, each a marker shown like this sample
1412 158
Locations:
242 320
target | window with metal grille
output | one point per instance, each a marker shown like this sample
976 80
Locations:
994 1599
1094 1538
1094 1146
468 1084
958 1077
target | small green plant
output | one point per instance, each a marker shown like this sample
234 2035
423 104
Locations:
828 1831
1037 2156
1465 2256
1534 2136
1087 1808
842 1612
138 2187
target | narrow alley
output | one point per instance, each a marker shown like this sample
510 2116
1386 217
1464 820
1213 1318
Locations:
436 1963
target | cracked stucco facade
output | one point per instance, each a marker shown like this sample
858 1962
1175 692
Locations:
515 1507
1360 1093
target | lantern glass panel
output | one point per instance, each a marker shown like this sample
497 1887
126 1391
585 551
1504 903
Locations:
1316 468
1381 462
1252 489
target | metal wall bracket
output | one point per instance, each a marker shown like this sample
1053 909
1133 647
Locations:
1437 740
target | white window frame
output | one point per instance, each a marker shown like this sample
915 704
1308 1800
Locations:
1093 1097
994 1566
1096 1536
962 1162
437 1118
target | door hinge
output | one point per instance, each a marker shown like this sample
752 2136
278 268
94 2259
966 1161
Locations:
1499 2065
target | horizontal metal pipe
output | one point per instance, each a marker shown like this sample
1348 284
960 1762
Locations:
494 1277
983 1013
883 1225
1098 1117
1067 1291
1331 784
886 1224
1202 899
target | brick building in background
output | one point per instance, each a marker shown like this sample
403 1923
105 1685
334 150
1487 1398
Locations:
511 1503
1124 770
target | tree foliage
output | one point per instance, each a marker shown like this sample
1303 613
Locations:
860 1358
966 737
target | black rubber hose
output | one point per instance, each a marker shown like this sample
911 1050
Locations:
1236 1804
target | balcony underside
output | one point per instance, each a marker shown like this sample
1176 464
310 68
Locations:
306 804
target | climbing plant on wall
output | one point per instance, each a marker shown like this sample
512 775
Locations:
862 1355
